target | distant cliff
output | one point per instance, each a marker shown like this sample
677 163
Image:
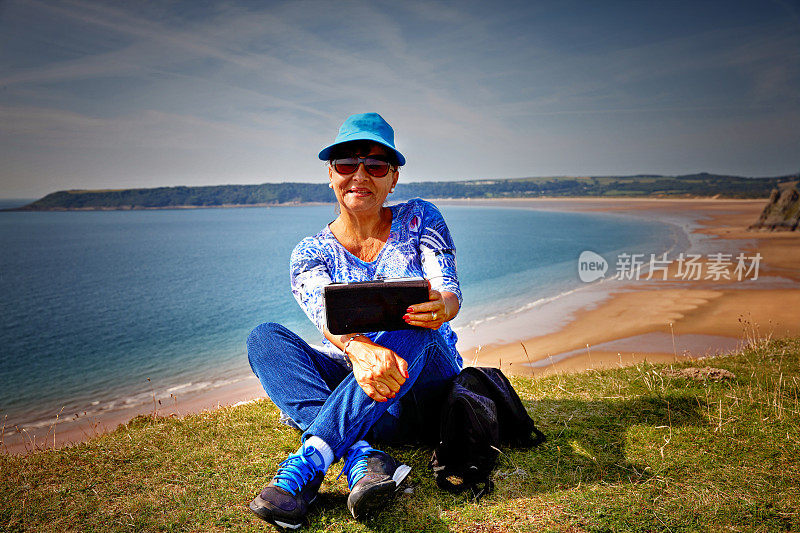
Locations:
175 197
782 212
688 186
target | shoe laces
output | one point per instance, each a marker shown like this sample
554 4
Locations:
355 464
296 471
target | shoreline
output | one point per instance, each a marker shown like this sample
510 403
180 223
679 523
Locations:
621 323
630 322
67 431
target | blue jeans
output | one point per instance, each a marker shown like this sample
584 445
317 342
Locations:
323 398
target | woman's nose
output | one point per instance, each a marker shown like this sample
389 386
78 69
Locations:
361 171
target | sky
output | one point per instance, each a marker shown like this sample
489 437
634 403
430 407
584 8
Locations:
119 94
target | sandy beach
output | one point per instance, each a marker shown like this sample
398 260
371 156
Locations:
605 323
672 319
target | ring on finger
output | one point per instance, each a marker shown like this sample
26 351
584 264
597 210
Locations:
434 315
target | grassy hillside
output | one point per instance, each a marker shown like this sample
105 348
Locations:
629 449
691 185
694 185
163 197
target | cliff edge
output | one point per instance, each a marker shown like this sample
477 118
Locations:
782 212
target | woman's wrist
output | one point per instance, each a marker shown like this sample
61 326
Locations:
349 339
450 305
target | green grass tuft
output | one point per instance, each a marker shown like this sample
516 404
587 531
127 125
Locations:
628 449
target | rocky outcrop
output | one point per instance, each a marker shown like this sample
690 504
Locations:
782 212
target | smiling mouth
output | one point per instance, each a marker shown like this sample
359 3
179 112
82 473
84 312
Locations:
360 192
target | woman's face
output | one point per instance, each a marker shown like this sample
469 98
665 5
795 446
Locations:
360 192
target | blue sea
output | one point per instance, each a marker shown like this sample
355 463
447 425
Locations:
101 310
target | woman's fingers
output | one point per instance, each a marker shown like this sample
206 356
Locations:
377 390
379 371
390 370
381 386
402 366
382 391
385 385
425 313
430 324
434 300
392 385
386 390
428 307
394 380
371 391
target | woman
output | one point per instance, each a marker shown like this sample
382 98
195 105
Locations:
367 385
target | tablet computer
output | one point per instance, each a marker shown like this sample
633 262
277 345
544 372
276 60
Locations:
372 305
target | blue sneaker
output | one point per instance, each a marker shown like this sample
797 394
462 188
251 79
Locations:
373 477
285 501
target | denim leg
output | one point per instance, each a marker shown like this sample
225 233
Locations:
349 413
416 418
295 376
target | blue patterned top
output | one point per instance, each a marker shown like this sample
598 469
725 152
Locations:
419 245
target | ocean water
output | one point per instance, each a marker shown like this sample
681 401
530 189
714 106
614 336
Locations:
101 310
11 203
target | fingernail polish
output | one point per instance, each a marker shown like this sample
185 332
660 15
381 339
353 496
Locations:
405 317
410 310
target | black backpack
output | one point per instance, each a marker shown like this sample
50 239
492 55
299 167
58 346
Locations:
482 412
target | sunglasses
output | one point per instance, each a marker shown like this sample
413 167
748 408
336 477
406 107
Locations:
377 168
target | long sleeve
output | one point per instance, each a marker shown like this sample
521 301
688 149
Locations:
309 274
438 252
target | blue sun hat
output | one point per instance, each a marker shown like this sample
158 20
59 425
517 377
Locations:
365 127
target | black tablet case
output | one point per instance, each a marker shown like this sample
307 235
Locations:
371 305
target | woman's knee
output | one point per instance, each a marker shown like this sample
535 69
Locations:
261 342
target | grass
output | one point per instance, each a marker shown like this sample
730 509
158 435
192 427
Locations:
629 449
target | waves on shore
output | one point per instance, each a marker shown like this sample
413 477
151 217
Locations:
146 401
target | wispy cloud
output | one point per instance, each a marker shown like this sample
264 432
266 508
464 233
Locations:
473 89
151 128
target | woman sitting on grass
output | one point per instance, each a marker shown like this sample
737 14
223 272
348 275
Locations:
368 386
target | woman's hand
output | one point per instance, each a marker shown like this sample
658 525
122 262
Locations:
379 371
441 307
